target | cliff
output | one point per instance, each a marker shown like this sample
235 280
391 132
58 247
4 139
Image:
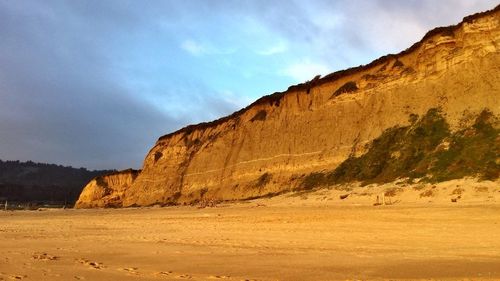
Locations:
106 191
282 141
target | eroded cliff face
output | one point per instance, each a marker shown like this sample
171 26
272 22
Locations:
271 145
107 191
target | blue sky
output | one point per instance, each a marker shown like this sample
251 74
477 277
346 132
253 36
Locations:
95 83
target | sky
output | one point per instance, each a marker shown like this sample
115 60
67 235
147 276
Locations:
94 83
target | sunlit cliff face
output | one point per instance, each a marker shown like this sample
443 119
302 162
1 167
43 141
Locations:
274 144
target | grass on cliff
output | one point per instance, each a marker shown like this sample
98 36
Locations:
259 116
346 88
426 149
263 180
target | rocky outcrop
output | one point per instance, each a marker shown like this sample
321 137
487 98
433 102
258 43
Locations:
272 145
108 190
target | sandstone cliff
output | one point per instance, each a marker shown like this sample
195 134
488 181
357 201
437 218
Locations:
274 144
106 191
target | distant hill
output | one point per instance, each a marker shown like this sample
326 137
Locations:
39 182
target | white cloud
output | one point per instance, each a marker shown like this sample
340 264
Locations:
197 48
193 47
238 101
305 70
281 47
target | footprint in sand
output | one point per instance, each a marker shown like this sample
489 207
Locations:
130 270
17 277
164 273
79 277
219 277
184 276
44 257
92 264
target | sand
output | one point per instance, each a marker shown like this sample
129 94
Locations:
313 236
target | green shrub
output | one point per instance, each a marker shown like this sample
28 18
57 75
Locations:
418 151
427 193
263 180
346 88
313 180
259 116
393 191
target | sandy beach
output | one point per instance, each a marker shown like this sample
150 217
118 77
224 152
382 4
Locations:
312 236
250 140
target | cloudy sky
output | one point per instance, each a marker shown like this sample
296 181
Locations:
94 83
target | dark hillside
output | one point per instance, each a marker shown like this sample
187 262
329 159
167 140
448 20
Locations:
29 182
